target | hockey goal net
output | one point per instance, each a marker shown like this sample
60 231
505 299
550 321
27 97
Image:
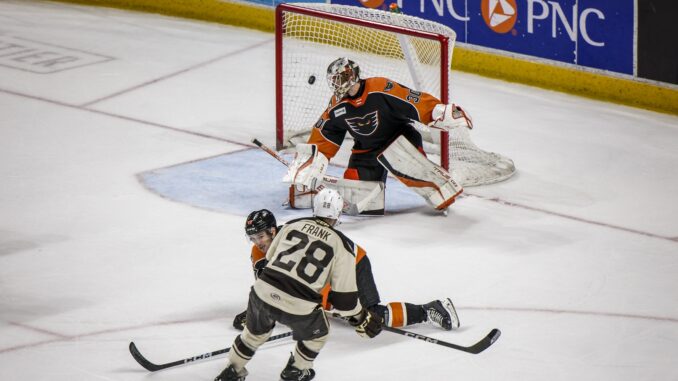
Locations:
409 50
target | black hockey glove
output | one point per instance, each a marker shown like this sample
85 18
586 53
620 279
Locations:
240 320
259 268
366 324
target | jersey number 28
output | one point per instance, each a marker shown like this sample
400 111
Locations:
309 258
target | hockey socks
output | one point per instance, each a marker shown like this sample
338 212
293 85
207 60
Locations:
398 314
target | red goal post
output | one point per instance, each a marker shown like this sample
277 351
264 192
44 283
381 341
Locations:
412 51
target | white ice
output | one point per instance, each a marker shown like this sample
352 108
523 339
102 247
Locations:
574 258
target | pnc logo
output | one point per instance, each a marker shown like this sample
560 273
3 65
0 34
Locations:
499 15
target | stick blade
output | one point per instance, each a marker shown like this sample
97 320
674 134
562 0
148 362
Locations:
486 342
141 359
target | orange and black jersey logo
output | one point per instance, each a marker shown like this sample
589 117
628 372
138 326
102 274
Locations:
380 111
364 125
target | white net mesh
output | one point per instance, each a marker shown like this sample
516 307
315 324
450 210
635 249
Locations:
311 42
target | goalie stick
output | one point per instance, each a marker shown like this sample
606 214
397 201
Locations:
155 367
270 152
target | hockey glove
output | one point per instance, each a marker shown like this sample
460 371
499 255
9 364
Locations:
366 324
258 268
447 117
240 320
308 168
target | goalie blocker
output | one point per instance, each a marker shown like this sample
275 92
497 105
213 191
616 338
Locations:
401 159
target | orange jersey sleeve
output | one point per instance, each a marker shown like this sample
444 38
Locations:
325 146
325 293
256 256
361 254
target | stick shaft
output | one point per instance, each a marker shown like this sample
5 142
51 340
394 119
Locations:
155 367
270 152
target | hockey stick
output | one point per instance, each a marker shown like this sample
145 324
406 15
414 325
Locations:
475 348
270 152
154 367
280 159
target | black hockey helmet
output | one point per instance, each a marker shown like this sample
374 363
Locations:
259 220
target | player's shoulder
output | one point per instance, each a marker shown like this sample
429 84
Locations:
377 83
298 223
382 85
296 220
349 245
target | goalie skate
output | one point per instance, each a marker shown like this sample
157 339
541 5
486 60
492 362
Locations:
442 313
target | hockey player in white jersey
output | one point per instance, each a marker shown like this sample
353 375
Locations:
305 255
261 228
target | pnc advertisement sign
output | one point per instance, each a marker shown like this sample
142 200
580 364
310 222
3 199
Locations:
592 33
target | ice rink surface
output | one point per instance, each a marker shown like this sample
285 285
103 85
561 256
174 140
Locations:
574 258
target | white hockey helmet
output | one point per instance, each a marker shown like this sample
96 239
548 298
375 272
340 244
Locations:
328 203
342 73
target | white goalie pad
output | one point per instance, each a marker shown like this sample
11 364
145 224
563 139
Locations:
412 168
308 168
360 197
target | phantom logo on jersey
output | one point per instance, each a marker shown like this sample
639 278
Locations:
364 125
499 15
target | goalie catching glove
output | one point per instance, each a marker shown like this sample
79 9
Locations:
366 324
308 168
446 117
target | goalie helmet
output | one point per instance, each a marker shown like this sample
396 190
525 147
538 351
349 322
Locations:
328 204
259 220
341 75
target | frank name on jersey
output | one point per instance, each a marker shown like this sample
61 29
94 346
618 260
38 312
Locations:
316 231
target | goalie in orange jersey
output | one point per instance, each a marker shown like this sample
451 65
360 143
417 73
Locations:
261 228
379 114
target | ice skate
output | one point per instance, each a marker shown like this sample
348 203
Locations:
442 314
230 374
292 373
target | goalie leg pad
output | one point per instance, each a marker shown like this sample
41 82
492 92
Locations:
360 197
413 169
301 197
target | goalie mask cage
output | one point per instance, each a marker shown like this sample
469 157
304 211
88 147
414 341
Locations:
409 50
